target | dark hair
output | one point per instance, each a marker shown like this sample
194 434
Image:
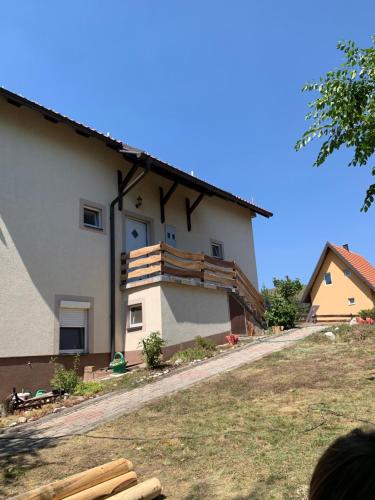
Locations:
346 470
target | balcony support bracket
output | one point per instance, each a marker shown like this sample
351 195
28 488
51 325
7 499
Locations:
190 209
164 198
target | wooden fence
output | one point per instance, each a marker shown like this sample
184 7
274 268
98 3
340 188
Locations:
163 259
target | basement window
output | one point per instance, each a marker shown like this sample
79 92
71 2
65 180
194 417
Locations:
327 278
135 318
351 301
73 327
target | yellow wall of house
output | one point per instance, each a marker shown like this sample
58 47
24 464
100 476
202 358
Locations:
333 299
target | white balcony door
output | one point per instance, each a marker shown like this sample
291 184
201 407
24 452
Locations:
136 234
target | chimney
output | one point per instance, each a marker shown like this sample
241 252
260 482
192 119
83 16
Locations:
346 246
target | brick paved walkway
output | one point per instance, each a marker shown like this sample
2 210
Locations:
90 414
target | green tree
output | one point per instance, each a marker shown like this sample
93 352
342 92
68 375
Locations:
344 112
281 302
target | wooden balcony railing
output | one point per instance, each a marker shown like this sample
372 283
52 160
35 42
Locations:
162 259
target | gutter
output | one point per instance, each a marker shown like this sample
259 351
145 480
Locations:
127 188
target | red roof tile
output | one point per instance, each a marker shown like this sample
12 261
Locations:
359 263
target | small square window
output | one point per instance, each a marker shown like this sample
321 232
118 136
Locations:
328 278
347 272
135 316
92 217
351 301
217 250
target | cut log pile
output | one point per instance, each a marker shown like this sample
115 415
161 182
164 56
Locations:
116 480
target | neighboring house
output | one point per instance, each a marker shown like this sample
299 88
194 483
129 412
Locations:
342 284
82 268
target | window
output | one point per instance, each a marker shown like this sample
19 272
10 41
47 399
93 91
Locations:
347 272
73 326
217 250
92 217
135 316
328 278
351 301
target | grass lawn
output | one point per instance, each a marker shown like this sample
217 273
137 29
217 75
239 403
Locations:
255 432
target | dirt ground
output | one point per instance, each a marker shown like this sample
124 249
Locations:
254 433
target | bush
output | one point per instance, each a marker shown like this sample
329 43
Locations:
281 312
205 344
191 354
367 313
88 388
203 348
282 308
66 379
152 349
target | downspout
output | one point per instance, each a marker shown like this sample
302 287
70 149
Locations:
128 188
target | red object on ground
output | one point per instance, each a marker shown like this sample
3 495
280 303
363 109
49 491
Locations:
370 321
232 339
361 321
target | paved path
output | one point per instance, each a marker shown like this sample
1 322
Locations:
90 414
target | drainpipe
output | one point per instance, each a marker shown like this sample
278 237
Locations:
128 188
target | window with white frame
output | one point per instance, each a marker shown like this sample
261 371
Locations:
217 249
135 316
92 217
327 278
351 301
73 326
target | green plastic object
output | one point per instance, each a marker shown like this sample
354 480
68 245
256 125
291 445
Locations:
118 364
39 392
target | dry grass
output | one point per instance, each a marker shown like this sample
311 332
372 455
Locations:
252 433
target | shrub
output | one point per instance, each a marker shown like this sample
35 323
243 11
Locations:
203 348
191 354
152 349
282 307
205 344
281 312
367 313
66 379
88 388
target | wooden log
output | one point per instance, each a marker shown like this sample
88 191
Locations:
195 265
218 262
182 254
106 489
144 271
181 273
145 261
144 491
143 251
214 278
78 482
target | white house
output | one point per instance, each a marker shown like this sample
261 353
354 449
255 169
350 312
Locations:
101 244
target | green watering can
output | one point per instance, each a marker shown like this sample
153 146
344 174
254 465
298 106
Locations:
118 364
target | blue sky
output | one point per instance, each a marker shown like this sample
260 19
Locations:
211 86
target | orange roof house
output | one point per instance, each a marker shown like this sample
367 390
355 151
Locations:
343 283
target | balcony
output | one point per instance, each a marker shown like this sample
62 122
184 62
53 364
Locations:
161 262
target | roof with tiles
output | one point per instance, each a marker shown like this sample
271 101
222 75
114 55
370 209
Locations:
125 149
358 264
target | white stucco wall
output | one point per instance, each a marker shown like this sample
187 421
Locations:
189 311
150 298
45 170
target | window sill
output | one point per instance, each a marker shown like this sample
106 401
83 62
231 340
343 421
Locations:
93 228
73 353
135 328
